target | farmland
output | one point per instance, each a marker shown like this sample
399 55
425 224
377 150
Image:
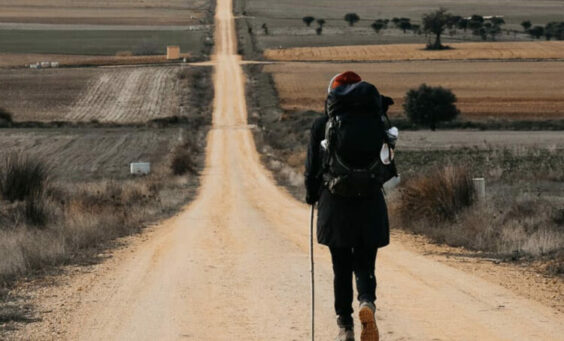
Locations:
105 42
108 28
121 12
120 95
402 52
286 29
485 89
89 154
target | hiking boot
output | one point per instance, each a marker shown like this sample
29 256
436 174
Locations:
368 321
346 329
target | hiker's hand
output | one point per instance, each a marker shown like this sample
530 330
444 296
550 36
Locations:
311 199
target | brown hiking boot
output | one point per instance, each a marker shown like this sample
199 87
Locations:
368 322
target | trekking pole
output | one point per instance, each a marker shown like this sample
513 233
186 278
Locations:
312 275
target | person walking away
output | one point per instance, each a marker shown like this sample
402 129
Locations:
344 174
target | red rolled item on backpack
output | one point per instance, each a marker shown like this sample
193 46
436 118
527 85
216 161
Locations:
347 77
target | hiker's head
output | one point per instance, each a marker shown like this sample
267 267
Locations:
343 78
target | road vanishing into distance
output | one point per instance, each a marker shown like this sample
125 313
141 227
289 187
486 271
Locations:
234 264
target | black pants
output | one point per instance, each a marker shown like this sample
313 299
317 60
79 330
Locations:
361 262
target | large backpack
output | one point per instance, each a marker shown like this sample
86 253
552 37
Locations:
355 135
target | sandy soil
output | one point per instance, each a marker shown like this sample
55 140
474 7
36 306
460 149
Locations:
525 278
484 89
398 52
234 264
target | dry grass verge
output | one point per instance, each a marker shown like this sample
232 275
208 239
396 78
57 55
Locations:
45 229
438 197
440 204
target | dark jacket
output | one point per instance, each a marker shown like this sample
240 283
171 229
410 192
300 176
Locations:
343 222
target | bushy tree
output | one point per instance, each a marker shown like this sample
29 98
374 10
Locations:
5 116
379 24
497 21
554 30
308 20
352 18
321 22
319 30
462 24
526 25
536 32
435 23
404 24
493 28
429 105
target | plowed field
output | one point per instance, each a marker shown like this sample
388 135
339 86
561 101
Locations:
127 95
394 52
106 95
485 89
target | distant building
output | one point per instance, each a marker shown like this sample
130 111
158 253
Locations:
173 52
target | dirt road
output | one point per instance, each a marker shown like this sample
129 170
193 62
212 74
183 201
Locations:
234 264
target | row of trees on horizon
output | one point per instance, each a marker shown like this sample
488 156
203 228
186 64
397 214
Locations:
440 20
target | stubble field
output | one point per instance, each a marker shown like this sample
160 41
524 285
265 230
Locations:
114 94
88 154
121 12
400 52
104 42
485 89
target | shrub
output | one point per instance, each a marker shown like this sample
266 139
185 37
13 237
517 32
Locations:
183 161
5 116
436 197
37 210
22 177
430 105
320 22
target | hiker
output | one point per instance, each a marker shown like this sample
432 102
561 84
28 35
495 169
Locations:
352 214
